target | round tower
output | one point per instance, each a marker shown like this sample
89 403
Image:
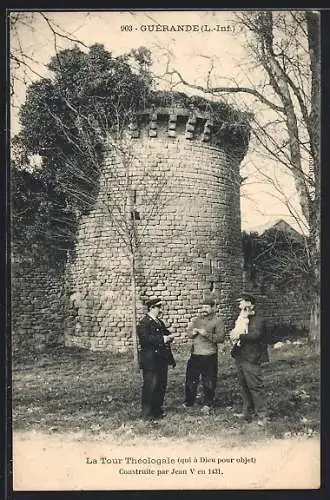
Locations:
169 209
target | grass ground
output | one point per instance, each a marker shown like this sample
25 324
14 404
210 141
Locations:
73 390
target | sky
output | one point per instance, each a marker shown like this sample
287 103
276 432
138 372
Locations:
211 40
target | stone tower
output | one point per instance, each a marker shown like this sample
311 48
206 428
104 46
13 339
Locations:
177 178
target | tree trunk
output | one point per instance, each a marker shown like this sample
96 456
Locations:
313 29
314 324
134 322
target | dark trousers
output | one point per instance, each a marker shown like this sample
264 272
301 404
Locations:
153 391
250 380
206 368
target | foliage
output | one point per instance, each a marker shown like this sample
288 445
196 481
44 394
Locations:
221 110
42 223
277 258
61 121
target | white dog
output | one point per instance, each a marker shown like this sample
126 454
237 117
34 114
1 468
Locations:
242 322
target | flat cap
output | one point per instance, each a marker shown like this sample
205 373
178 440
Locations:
153 302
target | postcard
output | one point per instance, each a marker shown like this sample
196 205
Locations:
165 183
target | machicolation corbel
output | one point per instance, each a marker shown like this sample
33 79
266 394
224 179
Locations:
172 125
190 126
207 130
153 125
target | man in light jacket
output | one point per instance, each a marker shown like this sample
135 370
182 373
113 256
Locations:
206 331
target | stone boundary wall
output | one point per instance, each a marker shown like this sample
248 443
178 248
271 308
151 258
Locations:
37 307
285 312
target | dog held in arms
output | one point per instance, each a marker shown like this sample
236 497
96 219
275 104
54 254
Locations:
242 322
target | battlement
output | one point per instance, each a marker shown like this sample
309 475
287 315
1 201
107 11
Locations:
194 124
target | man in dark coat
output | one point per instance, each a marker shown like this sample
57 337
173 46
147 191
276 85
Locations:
249 352
155 356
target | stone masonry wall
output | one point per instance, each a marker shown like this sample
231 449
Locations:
37 306
186 195
283 311
287 310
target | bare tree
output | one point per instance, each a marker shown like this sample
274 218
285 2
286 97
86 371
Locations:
86 133
120 180
24 55
25 68
285 46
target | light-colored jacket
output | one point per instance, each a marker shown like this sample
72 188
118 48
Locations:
206 332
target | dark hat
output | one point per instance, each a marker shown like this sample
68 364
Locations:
153 302
210 301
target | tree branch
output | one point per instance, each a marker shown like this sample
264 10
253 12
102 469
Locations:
228 90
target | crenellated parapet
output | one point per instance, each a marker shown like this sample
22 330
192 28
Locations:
194 124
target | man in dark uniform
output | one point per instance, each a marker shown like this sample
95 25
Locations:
249 352
155 356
